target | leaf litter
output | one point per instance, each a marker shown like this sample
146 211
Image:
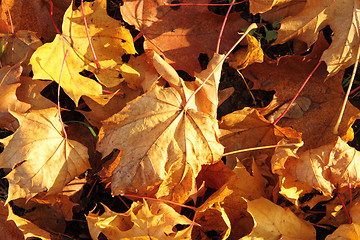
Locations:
166 129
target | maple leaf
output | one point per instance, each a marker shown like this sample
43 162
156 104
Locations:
34 15
19 47
27 228
325 168
41 158
273 222
110 39
181 35
150 219
211 216
247 128
8 84
176 142
286 75
343 18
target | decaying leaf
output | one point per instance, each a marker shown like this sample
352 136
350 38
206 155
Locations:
41 158
147 220
19 47
177 142
272 222
180 35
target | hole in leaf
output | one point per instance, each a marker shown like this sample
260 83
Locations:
203 60
185 76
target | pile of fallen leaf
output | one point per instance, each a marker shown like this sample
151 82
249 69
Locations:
132 125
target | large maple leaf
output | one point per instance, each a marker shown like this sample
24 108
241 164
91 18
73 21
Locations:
110 41
341 15
160 141
41 157
180 35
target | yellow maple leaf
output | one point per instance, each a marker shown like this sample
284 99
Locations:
272 222
110 40
41 158
147 220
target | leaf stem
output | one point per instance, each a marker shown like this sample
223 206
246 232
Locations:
264 147
297 94
251 27
88 36
223 27
88 126
336 128
58 97
345 208
51 16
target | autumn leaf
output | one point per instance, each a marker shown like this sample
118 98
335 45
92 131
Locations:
248 55
150 219
247 128
273 222
341 15
40 157
325 168
180 35
23 228
19 47
177 142
34 15
110 40
346 231
286 75
8 85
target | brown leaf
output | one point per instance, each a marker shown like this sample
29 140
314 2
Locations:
34 15
8 228
341 15
247 128
18 48
326 96
29 230
181 35
41 158
148 220
273 222
175 143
